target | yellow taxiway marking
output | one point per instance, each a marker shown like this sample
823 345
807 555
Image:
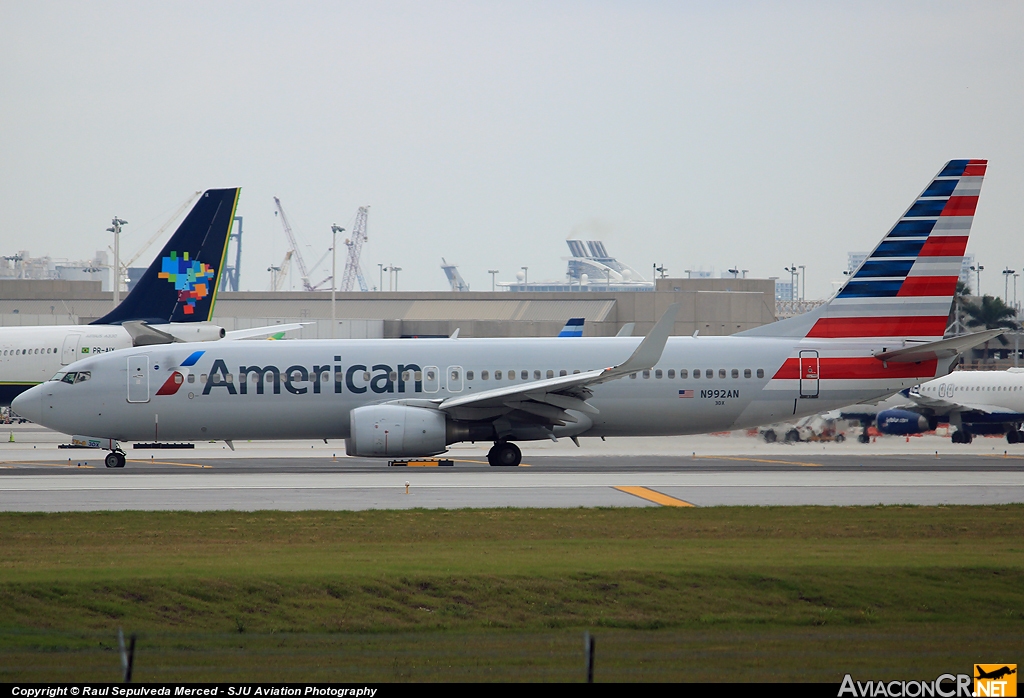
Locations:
62 464
170 462
1000 455
762 460
656 497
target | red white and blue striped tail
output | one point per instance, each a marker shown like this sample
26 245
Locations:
905 287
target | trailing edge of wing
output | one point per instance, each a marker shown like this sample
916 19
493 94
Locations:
643 358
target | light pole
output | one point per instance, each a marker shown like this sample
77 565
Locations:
115 228
396 270
1007 273
492 272
334 276
977 269
793 272
661 270
803 282
735 272
381 287
526 276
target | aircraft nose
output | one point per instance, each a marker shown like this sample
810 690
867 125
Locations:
30 404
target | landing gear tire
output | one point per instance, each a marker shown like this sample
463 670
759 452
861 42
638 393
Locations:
770 436
1012 436
504 454
863 437
962 437
792 436
114 459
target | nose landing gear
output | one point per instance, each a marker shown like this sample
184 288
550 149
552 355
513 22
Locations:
114 459
504 453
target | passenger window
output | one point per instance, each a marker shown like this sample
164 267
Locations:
192 378
735 373
551 374
512 375
562 372
647 374
202 378
671 373
746 373
418 375
393 376
405 376
696 373
484 375
536 375
657 373
366 375
575 370
454 376
632 375
721 373
760 373
497 375
469 375
524 375
683 373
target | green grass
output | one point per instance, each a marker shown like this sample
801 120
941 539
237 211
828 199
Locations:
671 594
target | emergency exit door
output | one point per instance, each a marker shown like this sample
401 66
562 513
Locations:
809 373
138 378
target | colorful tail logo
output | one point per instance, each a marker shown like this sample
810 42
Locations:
190 279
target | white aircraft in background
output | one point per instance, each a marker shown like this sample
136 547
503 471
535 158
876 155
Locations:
172 302
973 402
882 332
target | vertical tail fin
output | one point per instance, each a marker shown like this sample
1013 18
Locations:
181 284
905 287
573 328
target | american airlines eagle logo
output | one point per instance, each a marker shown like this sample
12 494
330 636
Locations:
190 278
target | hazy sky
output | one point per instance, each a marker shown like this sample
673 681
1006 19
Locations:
704 134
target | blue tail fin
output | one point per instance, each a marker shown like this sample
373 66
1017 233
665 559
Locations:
181 284
573 328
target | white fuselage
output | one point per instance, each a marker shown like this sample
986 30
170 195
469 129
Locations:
269 390
970 389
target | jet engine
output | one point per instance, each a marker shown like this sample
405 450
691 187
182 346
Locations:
901 422
396 431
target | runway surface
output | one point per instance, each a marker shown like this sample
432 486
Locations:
680 471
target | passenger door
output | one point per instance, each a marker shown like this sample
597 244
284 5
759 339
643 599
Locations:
809 376
69 352
138 378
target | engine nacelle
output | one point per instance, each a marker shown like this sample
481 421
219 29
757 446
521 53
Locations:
193 331
901 422
396 431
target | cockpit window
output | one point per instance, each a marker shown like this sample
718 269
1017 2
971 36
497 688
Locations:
59 376
83 376
69 377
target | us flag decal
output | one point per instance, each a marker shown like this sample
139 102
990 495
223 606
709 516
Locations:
685 393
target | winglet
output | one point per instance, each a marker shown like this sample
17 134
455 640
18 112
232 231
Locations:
650 350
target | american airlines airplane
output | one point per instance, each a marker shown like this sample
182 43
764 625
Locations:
172 302
396 398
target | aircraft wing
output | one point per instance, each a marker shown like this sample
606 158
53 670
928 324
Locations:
549 399
265 330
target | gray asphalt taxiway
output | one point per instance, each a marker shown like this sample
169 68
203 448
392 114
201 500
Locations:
249 483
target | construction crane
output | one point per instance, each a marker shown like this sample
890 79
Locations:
163 228
297 253
279 274
353 272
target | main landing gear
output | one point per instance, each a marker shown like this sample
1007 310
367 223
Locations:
504 453
961 436
114 459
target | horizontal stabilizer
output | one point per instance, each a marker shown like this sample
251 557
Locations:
943 349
